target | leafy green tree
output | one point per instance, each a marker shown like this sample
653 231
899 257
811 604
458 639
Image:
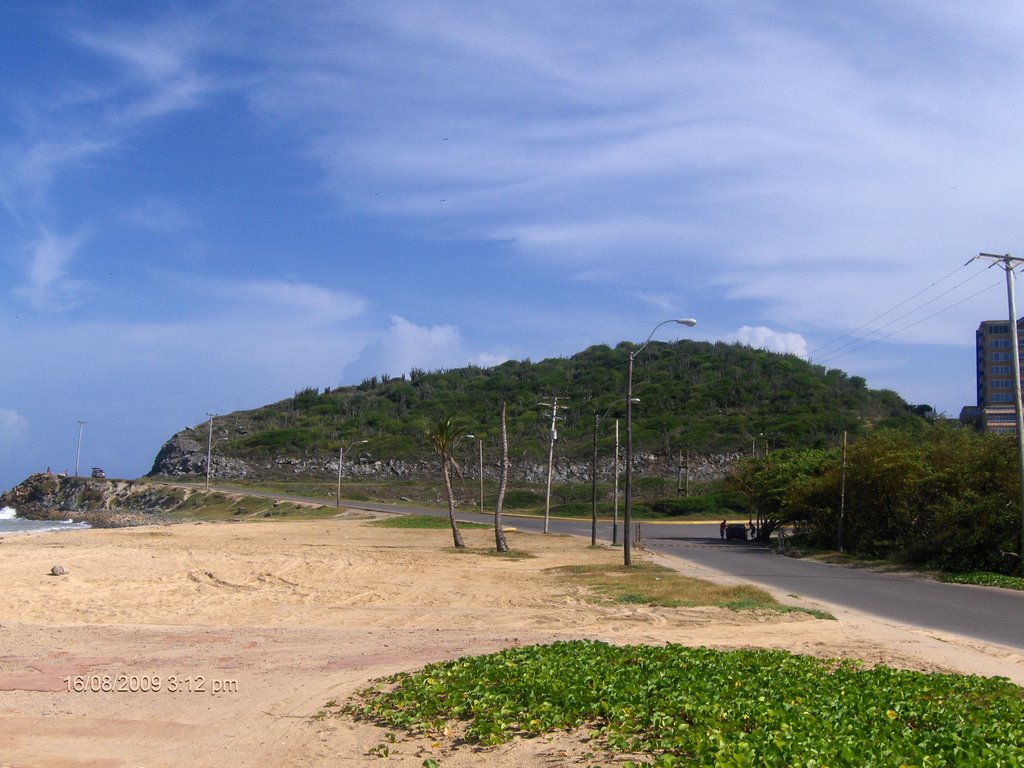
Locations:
973 515
932 495
444 437
773 484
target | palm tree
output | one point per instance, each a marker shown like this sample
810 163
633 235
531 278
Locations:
499 534
443 438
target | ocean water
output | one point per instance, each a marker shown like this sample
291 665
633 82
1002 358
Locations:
11 523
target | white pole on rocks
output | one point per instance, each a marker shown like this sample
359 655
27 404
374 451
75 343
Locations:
78 451
341 457
209 449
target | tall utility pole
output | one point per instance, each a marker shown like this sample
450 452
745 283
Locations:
686 488
842 493
1008 262
481 475
78 451
209 449
553 405
341 458
681 489
615 513
593 487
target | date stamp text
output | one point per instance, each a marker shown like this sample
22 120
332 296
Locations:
148 684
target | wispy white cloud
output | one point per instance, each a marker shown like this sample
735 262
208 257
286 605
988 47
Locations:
294 303
48 286
159 72
37 164
247 339
14 429
666 304
161 215
671 134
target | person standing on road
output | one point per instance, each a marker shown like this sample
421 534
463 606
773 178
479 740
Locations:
721 529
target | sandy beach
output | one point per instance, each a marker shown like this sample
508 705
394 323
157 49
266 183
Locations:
219 644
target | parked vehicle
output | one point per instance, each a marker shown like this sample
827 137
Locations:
97 472
736 531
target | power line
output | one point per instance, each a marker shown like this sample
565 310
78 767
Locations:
869 342
893 309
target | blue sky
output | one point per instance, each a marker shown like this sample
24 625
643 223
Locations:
207 206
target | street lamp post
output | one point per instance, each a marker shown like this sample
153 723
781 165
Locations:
341 457
627 513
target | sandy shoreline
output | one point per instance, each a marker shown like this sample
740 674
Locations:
250 628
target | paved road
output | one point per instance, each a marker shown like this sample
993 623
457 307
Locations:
985 613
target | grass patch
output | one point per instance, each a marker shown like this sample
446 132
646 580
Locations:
667 706
424 521
214 506
650 584
512 554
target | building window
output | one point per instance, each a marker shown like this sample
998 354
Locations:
1002 397
1002 417
999 343
1000 357
997 370
1002 384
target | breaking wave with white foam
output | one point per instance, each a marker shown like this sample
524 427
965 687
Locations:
11 523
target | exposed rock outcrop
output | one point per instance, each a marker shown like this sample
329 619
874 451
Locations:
185 455
101 503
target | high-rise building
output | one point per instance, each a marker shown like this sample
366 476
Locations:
995 359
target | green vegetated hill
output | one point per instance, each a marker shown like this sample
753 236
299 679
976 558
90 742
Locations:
694 396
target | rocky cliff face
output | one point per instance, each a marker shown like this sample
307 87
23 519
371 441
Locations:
101 503
185 455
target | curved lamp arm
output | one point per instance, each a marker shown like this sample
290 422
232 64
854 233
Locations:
687 321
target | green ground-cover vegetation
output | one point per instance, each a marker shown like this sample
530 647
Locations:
679 706
984 579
